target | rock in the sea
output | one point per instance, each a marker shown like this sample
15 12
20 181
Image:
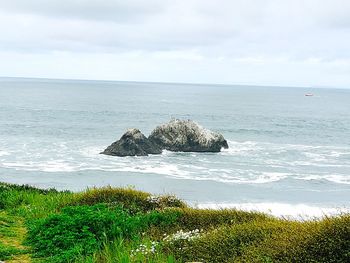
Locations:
176 136
132 143
187 136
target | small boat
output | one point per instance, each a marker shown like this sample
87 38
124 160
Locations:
309 94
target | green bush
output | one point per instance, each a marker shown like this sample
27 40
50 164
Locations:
12 196
329 243
80 230
324 240
30 202
223 244
206 219
282 244
77 230
133 200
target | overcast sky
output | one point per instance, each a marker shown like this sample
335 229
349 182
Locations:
264 42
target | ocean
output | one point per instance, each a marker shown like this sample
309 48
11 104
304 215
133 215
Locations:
289 154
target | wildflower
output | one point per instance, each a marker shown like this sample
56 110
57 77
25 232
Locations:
181 235
145 249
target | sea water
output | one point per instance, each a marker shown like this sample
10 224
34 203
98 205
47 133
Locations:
288 153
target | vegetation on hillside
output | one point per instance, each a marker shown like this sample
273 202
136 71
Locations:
124 225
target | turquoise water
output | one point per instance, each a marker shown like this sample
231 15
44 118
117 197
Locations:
285 148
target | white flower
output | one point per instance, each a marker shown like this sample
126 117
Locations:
181 235
145 249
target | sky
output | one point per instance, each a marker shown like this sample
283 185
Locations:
259 42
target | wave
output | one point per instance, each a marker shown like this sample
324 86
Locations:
289 155
171 170
293 211
4 153
64 166
176 171
309 150
50 166
247 162
155 165
335 178
240 147
263 178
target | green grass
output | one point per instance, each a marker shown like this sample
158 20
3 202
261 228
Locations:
6 225
133 200
126 252
12 232
125 225
7 252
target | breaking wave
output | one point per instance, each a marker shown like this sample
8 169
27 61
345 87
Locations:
246 162
285 210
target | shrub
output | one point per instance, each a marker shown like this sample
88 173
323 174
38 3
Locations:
224 244
26 187
329 243
30 202
191 218
133 200
312 241
281 245
326 240
80 230
77 230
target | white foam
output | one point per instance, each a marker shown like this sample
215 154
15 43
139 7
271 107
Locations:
166 152
50 166
239 148
264 177
311 151
335 178
167 169
268 177
292 211
315 164
91 151
252 162
111 164
338 178
4 153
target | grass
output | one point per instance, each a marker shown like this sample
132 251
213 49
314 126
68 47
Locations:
133 200
125 225
123 251
12 235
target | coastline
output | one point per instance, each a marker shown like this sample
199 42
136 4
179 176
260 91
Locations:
277 157
231 196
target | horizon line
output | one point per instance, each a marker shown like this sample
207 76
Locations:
171 82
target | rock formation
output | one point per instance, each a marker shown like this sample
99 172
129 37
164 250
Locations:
187 136
177 136
132 143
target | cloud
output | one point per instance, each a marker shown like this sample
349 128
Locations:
115 10
213 35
